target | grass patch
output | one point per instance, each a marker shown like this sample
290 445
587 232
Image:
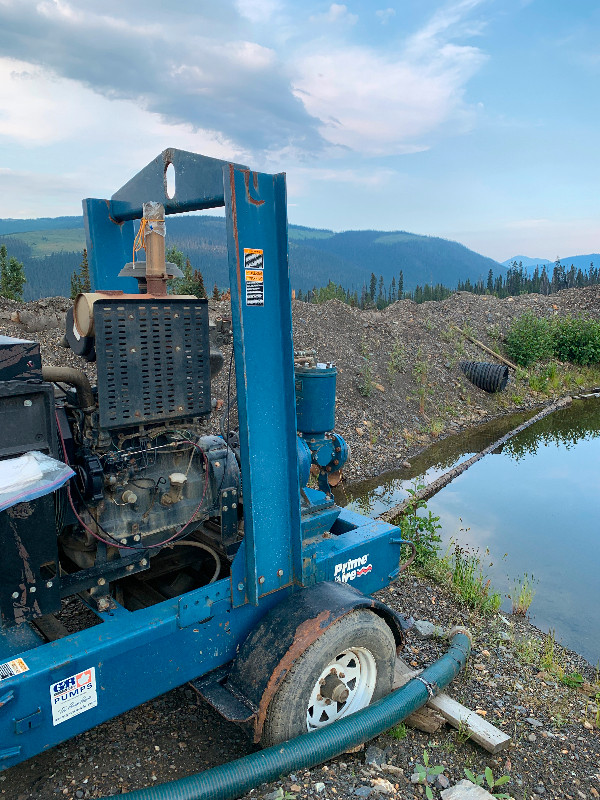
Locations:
365 383
522 594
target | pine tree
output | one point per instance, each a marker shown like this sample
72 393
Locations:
192 281
400 285
12 276
372 287
80 280
216 294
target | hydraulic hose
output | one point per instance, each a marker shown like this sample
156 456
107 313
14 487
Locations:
238 777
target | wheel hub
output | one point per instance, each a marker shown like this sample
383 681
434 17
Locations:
345 685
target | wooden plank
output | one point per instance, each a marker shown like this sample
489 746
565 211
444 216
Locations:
480 731
426 719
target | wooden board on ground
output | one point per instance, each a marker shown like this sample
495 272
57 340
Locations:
479 730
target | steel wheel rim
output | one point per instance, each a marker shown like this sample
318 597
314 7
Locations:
355 667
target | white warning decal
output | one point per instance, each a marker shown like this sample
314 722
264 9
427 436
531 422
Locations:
73 695
12 668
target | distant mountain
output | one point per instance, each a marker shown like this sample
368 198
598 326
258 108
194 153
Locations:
526 261
579 262
51 250
39 224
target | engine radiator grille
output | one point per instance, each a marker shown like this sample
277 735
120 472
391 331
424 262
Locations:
153 360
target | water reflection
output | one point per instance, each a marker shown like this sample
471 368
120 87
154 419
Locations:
537 500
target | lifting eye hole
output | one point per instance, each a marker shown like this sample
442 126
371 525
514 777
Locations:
170 181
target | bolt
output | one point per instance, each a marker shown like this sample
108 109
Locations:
336 461
15 595
240 587
144 562
49 584
27 403
280 573
123 541
137 537
101 581
129 567
338 449
32 589
333 671
319 697
217 463
234 505
322 681
225 508
261 579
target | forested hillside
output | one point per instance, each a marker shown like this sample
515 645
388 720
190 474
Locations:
50 250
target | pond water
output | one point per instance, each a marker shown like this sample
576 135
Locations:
534 504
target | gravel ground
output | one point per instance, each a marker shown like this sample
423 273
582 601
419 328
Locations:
556 743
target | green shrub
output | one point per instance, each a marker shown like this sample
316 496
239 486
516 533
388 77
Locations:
573 339
576 340
421 530
529 339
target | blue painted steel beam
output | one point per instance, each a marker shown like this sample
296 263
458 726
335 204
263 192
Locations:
198 185
261 314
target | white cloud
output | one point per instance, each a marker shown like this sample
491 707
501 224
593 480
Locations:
337 13
258 10
382 104
385 14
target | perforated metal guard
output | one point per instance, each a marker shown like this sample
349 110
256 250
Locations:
153 360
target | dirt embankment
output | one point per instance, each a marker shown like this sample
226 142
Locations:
399 385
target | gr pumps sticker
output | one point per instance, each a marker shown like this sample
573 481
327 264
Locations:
73 695
351 569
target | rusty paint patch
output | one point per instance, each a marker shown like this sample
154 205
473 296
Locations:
249 197
306 634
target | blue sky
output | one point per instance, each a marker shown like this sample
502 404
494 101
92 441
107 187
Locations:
475 120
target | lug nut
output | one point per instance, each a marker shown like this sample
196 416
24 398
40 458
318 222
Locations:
319 697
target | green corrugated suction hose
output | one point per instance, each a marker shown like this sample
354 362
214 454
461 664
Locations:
238 777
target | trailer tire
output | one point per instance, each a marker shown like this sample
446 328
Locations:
352 663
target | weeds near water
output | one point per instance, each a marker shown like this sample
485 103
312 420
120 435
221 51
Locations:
522 595
470 583
421 530
528 651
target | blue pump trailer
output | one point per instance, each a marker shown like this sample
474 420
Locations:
204 559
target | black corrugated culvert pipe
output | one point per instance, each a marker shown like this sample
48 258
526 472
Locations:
489 377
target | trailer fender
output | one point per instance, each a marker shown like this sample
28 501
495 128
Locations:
285 632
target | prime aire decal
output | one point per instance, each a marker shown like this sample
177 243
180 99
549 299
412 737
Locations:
351 569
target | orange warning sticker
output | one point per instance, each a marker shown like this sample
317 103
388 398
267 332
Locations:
254 275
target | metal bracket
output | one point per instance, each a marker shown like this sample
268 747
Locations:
432 688
29 722
196 607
